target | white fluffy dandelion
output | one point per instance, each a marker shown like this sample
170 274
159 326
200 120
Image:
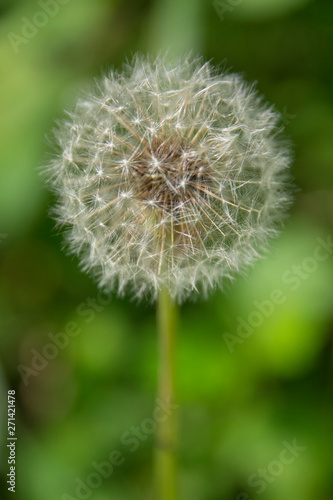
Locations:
169 176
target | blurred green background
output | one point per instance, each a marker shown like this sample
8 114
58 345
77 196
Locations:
241 399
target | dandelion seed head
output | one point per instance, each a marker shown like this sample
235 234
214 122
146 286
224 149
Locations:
169 175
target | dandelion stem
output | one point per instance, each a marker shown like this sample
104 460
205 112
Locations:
166 433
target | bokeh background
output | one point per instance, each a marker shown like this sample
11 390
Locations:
241 399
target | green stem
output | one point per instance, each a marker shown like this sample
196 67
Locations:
166 432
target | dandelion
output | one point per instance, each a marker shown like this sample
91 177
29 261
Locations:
170 178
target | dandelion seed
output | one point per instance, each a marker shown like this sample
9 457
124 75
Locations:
187 173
